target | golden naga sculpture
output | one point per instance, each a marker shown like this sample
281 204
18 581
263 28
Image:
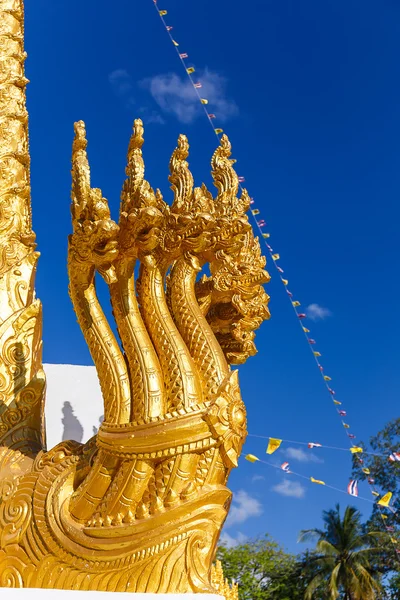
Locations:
139 507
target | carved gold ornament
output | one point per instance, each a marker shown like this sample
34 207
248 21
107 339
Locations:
139 507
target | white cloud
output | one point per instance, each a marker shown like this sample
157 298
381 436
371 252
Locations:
121 82
230 541
151 116
257 478
302 456
286 487
243 507
176 96
315 312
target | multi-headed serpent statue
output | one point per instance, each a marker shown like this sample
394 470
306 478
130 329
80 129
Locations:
141 505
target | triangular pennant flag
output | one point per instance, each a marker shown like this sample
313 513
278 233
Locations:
190 70
337 402
296 303
218 131
251 458
327 378
285 281
204 100
275 257
266 235
317 481
162 13
317 354
356 449
273 445
306 330
176 44
255 211
385 500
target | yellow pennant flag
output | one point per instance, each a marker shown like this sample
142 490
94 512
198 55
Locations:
393 540
273 445
285 281
306 330
217 131
375 493
317 353
163 13
190 70
327 378
317 481
366 471
346 426
251 458
255 211
356 449
204 100
385 500
296 303
336 402
175 43
275 257
384 516
266 235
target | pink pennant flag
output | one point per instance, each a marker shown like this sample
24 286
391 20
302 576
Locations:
314 445
301 315
342 413
241 179
310 341
280 270
197 85
212 116
184 55
169 27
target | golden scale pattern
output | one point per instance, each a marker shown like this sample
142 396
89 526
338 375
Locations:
141 505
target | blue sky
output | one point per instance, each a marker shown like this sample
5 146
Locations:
309 95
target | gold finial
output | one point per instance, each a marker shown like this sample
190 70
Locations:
225 178
181 178
135 165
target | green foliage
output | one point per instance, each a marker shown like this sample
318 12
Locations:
387 478
342 561
263 570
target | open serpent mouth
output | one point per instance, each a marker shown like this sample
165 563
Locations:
105 247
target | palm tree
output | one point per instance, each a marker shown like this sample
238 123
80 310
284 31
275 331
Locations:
341 561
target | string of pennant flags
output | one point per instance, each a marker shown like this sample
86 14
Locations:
352 487
274 444
261 224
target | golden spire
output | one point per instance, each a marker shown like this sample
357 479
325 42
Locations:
20 313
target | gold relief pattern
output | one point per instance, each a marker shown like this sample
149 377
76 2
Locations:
139 507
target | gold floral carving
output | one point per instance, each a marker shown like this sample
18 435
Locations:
139 507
